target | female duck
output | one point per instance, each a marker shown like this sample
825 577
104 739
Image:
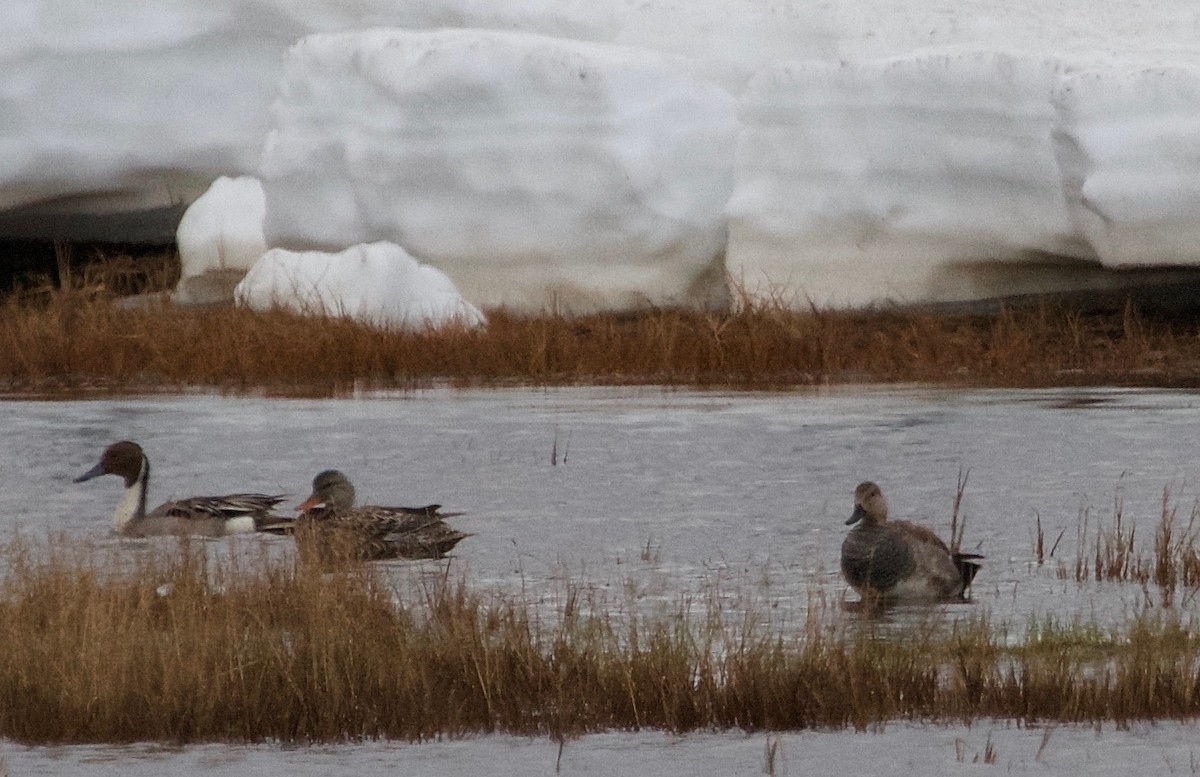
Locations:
898 559
373 532
210 516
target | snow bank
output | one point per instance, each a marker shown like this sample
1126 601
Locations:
219 238
534 171
128 106
858 182
958 149
379 284
1130 152
727 41
961 175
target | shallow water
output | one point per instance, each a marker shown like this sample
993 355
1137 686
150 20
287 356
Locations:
653 494
930 751
649 497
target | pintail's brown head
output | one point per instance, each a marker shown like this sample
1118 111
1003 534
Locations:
124 458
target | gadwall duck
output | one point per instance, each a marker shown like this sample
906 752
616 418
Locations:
375 533
898 559
210 516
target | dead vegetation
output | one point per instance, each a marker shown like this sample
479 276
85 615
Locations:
1110 549
82 335
171 645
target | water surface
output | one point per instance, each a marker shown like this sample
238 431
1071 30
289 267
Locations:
930 751
655 491
649 497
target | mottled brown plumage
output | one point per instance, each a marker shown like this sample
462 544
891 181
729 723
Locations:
330 519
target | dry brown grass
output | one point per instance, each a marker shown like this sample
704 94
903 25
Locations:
78 337
172 646
1110 550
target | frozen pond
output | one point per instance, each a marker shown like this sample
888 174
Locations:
648 497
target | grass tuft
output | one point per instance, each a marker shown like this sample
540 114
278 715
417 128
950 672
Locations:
170 645
1113 553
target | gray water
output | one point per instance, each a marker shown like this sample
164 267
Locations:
650 497
903 748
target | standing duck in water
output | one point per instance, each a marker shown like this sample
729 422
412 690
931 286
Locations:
899 560
371 532
209 516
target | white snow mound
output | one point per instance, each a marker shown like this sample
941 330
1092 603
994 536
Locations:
1130 155
858 181
959 175
220 237
537 171
580 153
378 284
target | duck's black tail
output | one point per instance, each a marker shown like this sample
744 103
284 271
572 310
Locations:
968 565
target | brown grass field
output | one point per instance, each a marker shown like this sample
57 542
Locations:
77 337
176 647
171 643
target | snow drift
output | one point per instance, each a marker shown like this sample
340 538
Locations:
883 149
378 284
220 237
961 175
535 172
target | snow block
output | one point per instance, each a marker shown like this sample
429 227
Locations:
536 172
220 237
859 182
1130 152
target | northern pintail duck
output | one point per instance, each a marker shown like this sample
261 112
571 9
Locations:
210 516
899 559
373 532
